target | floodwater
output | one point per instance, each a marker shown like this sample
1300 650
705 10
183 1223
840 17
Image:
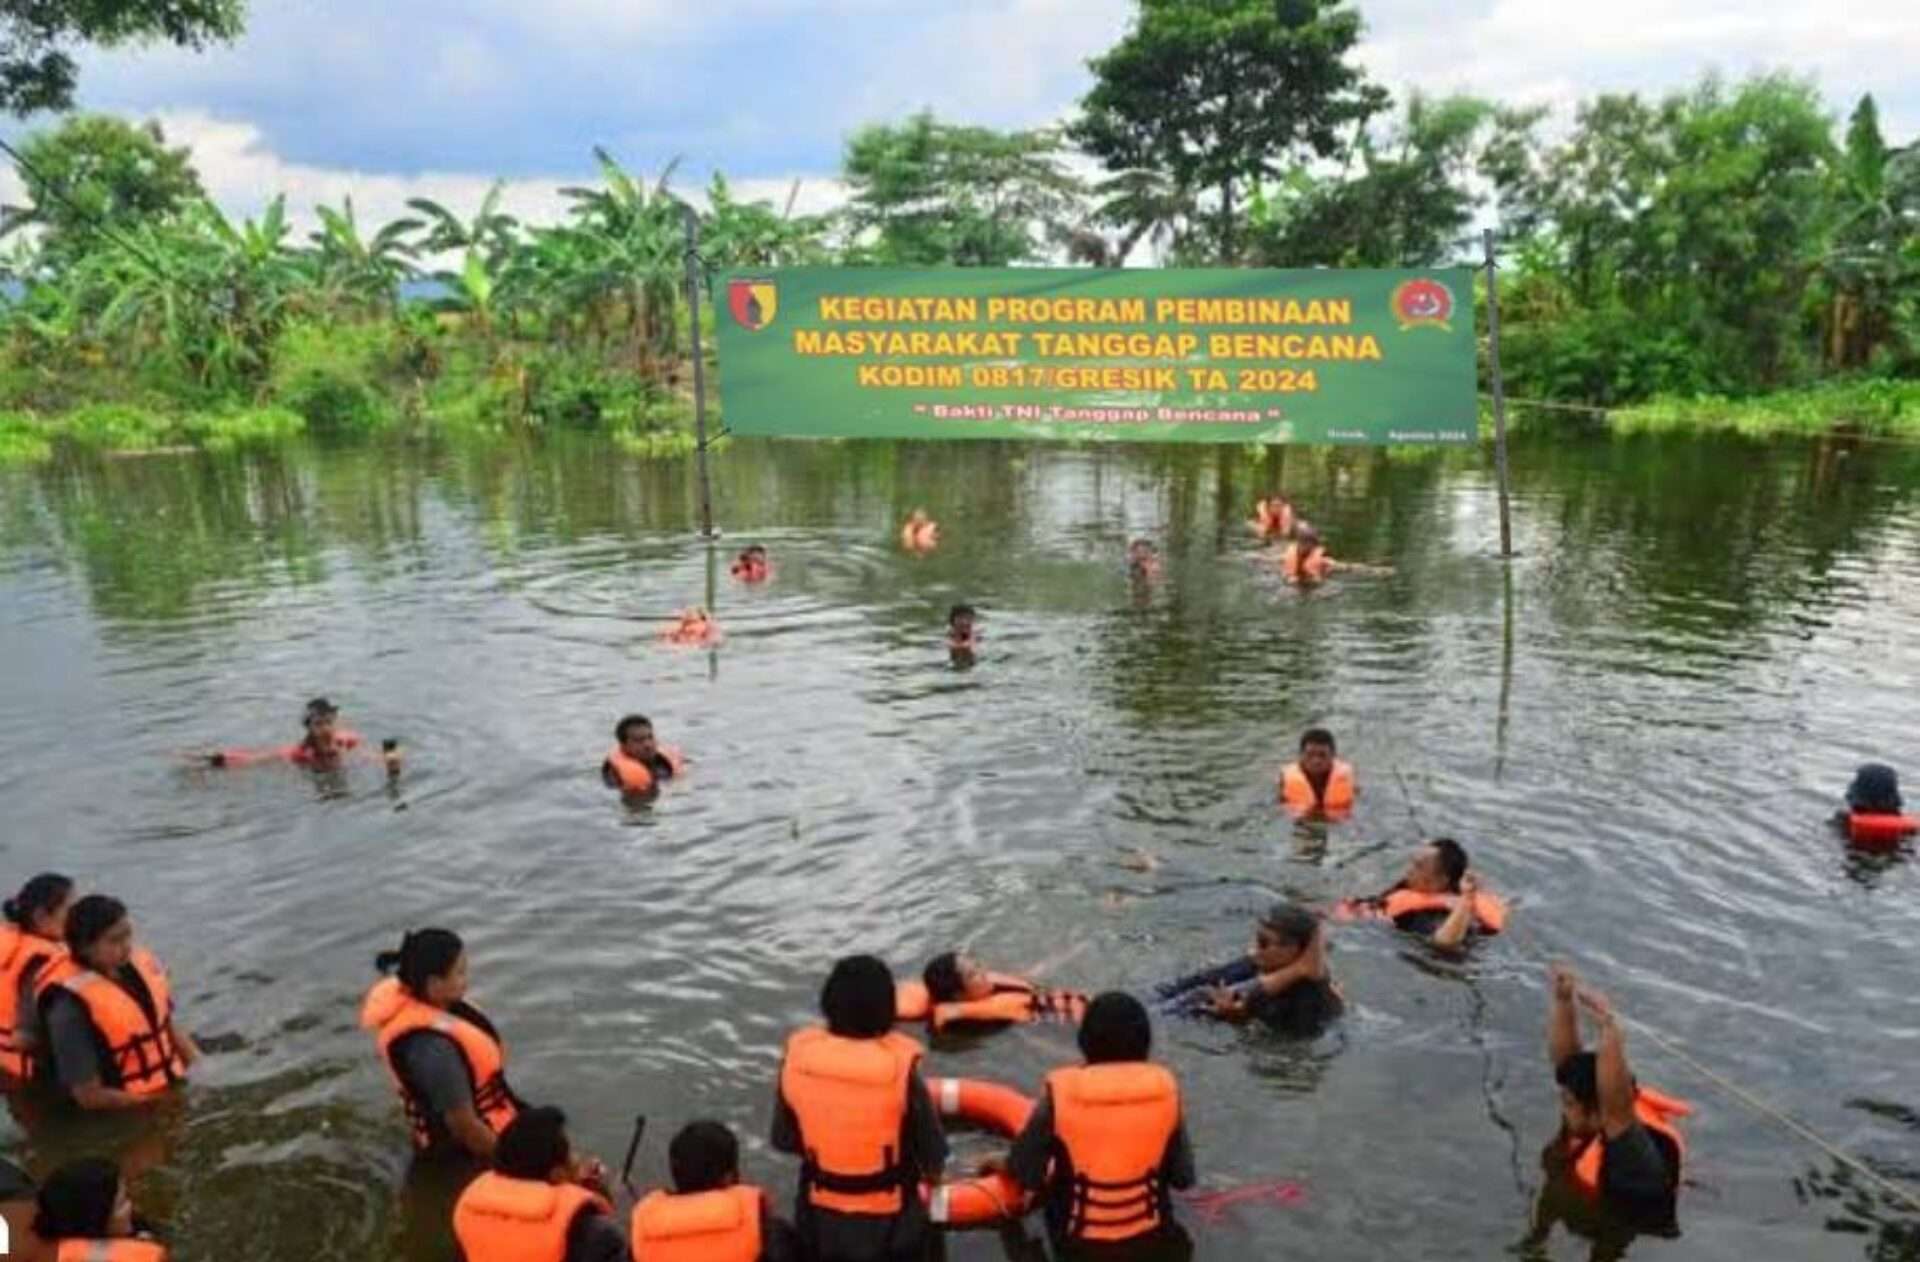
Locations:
1637 727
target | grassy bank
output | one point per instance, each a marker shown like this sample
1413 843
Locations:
1877 407
416 372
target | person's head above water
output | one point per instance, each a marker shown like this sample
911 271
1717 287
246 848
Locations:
1579 1079
1281 935
703 1156
1317 751
953 976
41 905
83 1200
1307 536
1116 1028
99 933
431 964
960 621
320 718
858 998
634 735
1875 790
1141 551
1436 868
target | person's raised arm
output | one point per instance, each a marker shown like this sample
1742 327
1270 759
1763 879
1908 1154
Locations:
1563 1024
1610 1056
1453 931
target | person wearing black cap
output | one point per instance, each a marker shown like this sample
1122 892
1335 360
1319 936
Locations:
1282 981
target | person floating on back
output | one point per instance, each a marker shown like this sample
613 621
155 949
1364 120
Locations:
692 627
33 937
1306 559
539 1201
752 566
83 1211
852 1105
1619 1141
1272 517
1873 818
1282 981
324 747
638 765
1106 1145
955 990
710 1216
1317 782
445 1058
1143 561
107 1009
920 533
1436 897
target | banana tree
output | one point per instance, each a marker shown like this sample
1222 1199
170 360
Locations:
353 272
631 246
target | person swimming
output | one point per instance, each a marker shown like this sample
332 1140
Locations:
955 989
1318 782
1273 517
920 533
693 626
1282 981
1143 561
1874 816
963 635
752 565
638 764
1436 898
325 745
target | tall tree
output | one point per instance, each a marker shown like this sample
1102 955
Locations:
929 192
37 72
1218 94
95 172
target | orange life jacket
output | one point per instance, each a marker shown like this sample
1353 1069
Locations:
1297 791
123 1249
1113 1123
1656 1111
498 1219
718 1226
22 956
1316 567
140 1057
1489 910
393 1014
850 1098
1014 1000
1874 829
343 740
635 776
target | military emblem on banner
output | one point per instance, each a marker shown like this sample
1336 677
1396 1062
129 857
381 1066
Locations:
752 303
1422 304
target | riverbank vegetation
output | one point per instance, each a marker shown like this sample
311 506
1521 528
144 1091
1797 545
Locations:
1734 254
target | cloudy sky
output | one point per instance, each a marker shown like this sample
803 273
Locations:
388 99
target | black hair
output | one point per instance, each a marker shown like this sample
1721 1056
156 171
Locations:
1875 790
533 1145
858 998
703 1156
1580 1075
319 707
958 610
423 954
1453 860
89 918
1115 1028
1318 736
1293 923
1142 543
942 977
630 721
76 1201
761 548
43 893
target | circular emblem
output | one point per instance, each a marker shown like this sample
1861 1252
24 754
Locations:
1423 304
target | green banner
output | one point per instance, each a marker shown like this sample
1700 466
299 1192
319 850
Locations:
1224 356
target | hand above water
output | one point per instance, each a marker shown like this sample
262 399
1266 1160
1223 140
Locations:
1563 979
1225 1001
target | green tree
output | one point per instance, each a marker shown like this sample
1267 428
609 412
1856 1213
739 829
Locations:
928 192
38 73
1873 262
94 172
1221 94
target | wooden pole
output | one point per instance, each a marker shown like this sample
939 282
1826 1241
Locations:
1499 395
692 222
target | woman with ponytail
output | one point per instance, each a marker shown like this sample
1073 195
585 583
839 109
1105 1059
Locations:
32 937
445 1058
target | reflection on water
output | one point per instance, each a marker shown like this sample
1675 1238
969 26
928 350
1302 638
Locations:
1637 727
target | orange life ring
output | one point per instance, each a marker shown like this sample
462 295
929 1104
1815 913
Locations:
986 1198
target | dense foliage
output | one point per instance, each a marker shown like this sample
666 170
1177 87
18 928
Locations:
1720 242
